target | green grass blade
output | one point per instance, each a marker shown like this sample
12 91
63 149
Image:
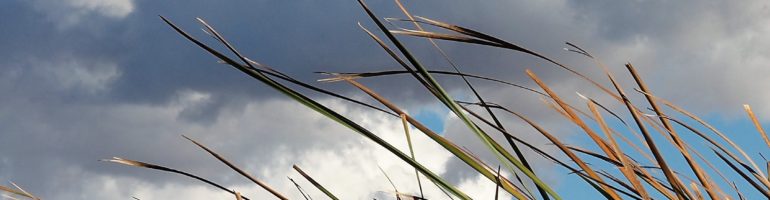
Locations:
320 109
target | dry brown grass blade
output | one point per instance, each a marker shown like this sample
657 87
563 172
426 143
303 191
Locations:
166 169
582 175
238 196
698 194
626 167
756 123
712 129
679 188
17 192
237 169
696 169
640 171
575 119
30 195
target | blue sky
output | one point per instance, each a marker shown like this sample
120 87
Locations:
84 80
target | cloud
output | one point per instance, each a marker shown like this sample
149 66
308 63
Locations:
102 78
70 12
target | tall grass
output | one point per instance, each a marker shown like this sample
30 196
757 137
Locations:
615 175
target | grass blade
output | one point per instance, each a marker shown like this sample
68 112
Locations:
411 151
756 123
166 169
315 183
318 108
237 169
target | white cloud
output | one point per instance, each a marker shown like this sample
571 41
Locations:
65 13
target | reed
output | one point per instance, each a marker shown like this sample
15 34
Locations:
615 173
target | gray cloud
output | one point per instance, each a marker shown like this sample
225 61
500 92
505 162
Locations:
86 79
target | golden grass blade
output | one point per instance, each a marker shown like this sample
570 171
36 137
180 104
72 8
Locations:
694 187
27 194
757 124
678 186
712 129
626 167
238 196
575 119
314 182
582 175
9 197
166 169
16 192
696 169
237 169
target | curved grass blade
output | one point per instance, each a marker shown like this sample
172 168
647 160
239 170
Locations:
237 169
696 169
513 145
301 191
318 108
445 98
166 169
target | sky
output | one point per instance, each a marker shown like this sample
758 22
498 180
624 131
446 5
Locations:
84 80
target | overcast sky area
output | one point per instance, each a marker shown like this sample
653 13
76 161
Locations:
84 80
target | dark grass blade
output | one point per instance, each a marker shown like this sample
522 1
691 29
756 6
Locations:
743 175
553 139
513 145
446 99
696 169
495 42
315 183
318 108
353 75
237 169
299 188
166 169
